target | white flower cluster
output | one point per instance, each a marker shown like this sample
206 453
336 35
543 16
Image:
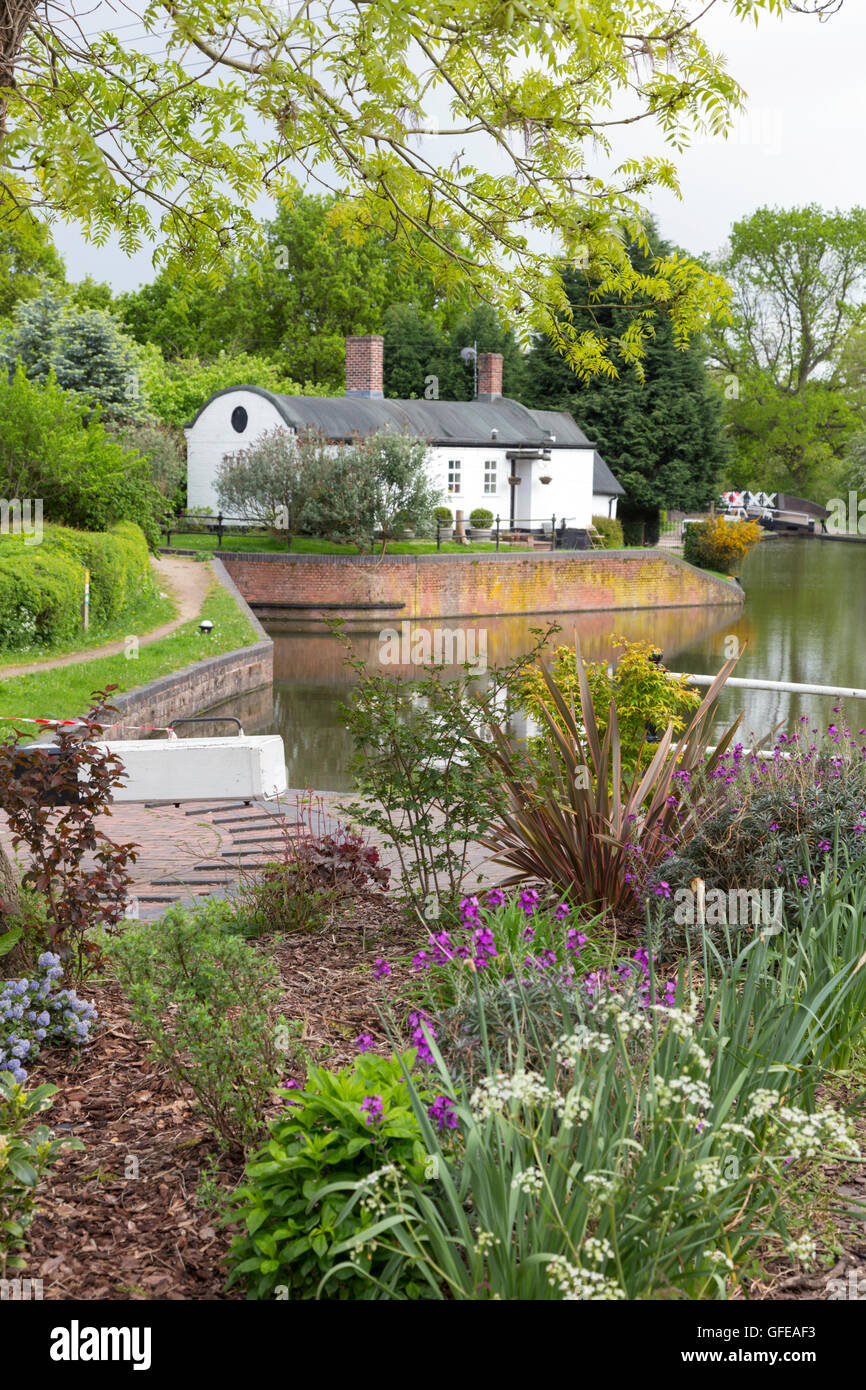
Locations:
573 1045
603 1189
733 1127
809 1136
494 1093
577 1284
683 1090
630 1022
708 1176
803 1249
530 1181
374 1186
680 1022
484 1241
721 1257
596 1251
571 1107
762 1102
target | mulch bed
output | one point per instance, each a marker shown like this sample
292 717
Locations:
119 1219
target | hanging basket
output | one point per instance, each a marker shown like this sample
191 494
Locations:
514 481
546 479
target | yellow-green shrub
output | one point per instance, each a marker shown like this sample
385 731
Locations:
611 529
647 699
720 545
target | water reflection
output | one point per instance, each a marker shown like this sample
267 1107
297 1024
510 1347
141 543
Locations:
803 621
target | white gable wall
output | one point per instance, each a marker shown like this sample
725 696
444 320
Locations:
212 437
602 505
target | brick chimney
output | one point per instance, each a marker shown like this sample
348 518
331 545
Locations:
364 365
489 376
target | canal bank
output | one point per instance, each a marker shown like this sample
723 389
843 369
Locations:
421 587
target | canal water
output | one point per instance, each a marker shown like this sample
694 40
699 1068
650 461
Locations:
804 620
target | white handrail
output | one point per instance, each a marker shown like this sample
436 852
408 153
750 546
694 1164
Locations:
743 683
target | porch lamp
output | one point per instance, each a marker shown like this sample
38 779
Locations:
205 627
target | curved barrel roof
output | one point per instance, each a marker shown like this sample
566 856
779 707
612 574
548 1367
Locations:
442 422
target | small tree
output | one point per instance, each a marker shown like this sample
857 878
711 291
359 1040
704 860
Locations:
272 480
379 483
85 349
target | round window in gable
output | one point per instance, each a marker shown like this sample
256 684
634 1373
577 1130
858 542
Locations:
239 419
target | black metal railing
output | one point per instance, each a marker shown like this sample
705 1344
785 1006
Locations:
520 531
214 523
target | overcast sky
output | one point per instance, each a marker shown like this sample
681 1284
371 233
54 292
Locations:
804 139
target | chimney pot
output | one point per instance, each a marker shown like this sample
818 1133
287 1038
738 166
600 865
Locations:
489 376
364 353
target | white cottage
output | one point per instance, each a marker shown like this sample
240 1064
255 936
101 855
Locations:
525 466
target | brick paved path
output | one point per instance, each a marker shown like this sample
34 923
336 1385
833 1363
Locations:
200 849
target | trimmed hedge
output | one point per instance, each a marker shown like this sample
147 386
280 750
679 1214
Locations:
611 529
42 586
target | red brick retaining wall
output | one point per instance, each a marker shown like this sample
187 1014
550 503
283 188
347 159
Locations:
428 586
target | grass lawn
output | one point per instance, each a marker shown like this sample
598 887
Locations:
63 692
154 610
308 545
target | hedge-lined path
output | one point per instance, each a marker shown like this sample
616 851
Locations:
188 582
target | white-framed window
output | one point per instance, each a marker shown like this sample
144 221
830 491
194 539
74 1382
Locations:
490 475
455 483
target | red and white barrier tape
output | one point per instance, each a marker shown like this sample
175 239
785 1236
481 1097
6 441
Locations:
77 723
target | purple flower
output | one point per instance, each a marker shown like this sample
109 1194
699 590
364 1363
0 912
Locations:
443 1112
824 845
529 901
418 1022
374 1109
421 960
469 909
485 942
364 1042
495 898
575 940
803 881
662 889
381 968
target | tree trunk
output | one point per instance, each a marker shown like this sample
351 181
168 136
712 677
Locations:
10 897
16 17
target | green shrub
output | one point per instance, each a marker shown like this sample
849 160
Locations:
42 596
25 1155
208 1002
54 447
481 518
41 599
444 515
611 529
299 1184
775 818
720 545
